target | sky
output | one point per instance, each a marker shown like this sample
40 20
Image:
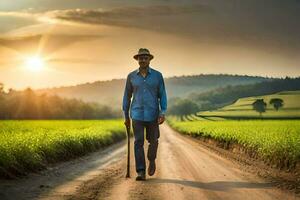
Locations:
51 43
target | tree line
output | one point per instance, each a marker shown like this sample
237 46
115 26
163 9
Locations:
227 95
27 104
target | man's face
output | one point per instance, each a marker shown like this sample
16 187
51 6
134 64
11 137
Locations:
144 60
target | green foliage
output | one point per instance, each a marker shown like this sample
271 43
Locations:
28 104
183 107
242 108
274 140
229 94
276 102
30 144
259 105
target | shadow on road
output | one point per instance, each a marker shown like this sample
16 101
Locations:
216 185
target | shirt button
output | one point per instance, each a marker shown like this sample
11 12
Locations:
144 80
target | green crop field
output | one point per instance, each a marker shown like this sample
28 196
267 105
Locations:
276 141
242 108
28 145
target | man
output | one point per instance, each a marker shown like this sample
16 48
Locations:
147 87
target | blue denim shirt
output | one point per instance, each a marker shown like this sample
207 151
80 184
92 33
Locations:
148 93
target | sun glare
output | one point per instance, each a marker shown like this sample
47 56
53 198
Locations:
35 63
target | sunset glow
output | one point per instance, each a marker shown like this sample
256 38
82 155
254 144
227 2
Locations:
34 63
63 42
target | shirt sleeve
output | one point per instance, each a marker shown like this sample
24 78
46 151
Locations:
127 97
162 96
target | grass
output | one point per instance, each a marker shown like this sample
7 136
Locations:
242 108
28 145
275 141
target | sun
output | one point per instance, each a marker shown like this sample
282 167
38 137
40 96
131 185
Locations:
35 63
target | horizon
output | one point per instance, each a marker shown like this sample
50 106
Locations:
114 79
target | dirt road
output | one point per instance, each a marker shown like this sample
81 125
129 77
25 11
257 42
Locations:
185 170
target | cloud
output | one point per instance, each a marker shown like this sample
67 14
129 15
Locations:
125 16
115 16
248 24
50 42
18 14
134 11
12 20
74 60
251 24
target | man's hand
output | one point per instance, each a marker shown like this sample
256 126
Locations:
161 119
127 122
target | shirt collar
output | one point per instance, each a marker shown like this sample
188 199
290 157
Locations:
138 70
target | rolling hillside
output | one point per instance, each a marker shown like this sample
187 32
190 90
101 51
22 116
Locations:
111 92
242 108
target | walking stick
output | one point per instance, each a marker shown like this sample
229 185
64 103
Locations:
128 151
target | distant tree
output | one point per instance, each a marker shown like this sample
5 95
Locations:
277 103
207 106
27 104
259 105
2 101
183 107
1 88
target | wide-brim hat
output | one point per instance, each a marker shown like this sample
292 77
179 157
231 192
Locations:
143 51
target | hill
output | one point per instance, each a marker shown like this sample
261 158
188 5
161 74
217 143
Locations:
242 108
227 95
111 92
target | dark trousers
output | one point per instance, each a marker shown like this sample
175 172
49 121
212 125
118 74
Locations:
152 135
